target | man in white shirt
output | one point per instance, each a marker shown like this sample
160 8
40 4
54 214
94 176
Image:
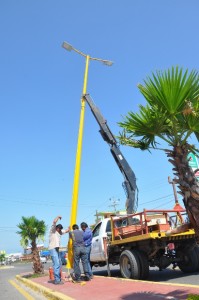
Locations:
54 243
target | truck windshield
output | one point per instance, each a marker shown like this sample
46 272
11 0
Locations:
96 230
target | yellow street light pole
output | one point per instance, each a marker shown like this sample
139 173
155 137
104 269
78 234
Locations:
73 216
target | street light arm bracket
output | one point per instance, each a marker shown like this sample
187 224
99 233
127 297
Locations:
69 47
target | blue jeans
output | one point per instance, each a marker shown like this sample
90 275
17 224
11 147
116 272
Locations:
88 252
80 253
56 259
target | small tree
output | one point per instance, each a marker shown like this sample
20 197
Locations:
2 256
32 230
171 115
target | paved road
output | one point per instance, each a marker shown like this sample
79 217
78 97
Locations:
167 275
7 290
10 289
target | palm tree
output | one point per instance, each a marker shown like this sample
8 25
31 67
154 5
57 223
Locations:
32 230
2 256
171 116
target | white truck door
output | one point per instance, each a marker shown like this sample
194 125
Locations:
99 232
97 244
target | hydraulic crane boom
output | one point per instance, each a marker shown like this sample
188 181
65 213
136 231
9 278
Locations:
129 183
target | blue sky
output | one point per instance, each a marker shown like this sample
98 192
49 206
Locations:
40 88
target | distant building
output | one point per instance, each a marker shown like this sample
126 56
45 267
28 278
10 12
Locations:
17 255
27 250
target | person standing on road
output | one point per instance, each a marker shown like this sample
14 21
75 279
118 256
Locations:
54 243
87 236
79 252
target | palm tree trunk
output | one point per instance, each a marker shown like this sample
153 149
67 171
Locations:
37 264
187 183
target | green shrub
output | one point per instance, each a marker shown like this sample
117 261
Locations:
193 297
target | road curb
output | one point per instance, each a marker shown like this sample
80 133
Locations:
6 267
49 293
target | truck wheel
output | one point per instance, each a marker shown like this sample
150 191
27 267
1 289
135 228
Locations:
189 260
129 264
144 264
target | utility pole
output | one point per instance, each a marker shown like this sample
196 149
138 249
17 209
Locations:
114 203
97 217
177 206
174 189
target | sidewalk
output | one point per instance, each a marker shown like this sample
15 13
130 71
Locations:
108 288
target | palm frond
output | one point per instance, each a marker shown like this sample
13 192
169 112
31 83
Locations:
172 110
150 123
170 89
129 140
31 229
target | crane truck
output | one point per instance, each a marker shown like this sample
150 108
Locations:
139 240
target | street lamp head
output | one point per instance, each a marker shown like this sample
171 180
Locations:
67 46
108 63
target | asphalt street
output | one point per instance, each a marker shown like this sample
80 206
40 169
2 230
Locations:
167 275
10 288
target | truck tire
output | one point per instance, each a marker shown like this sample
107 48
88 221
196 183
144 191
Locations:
189 260
129 264
144 264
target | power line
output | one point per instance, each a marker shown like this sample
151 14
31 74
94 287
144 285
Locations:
163 204
6 227
32 202
157 199
151 186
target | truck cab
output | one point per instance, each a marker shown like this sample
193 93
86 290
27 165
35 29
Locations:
98 253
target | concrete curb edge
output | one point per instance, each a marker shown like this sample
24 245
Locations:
49 293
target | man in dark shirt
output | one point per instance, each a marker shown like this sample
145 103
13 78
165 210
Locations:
87 236
79 252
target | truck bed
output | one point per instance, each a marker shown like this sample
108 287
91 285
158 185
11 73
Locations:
148 224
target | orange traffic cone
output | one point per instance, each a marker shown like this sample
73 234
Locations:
51 274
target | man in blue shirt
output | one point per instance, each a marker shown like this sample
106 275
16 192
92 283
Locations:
87 236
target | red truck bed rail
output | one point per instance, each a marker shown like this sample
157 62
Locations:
145 222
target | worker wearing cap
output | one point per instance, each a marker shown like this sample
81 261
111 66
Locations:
54 243
87 236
